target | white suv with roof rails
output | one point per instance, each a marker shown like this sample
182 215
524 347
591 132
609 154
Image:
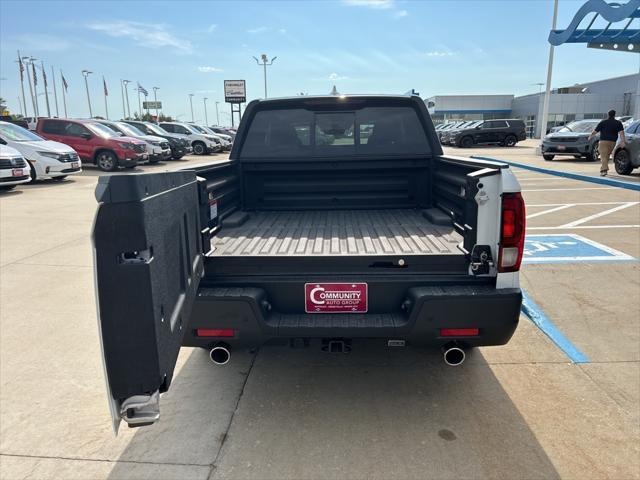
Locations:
201 143
14 169
46 159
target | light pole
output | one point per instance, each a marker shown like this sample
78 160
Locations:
126 95
206 119
547 93
217 115
55 90
155 99
191 103
265 63
85 74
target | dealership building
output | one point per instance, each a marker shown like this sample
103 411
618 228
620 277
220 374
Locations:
566 104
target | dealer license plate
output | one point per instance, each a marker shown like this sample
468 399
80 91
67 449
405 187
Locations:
561 147
335 297
75 165
17 172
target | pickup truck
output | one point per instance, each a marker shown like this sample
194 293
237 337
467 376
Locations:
307 243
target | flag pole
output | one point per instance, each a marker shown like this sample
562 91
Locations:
46 92
106 107
55 91
24 99
64 98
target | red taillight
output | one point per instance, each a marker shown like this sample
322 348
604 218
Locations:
215 332
511 233
459 332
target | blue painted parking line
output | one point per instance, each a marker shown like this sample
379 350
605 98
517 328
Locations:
574 176
540 320
568 248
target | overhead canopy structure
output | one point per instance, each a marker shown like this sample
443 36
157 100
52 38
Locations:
616 35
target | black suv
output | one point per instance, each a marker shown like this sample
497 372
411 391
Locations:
506 132
179 144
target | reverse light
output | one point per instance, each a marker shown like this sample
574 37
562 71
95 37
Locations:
512 232
215 332
459 332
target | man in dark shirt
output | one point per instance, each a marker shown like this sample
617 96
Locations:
609 130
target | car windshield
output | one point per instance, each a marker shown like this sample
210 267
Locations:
18 134
102 130
156 129
191 128
631 127
580 127
129 129
198 128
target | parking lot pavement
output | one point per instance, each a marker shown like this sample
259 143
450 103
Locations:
525 152
519 411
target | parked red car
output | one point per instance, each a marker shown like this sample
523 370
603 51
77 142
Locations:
94 142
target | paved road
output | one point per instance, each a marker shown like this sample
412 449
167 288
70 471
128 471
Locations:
519 411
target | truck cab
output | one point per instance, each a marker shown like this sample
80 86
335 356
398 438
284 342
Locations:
336 220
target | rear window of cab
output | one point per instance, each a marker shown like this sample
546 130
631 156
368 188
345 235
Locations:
307 133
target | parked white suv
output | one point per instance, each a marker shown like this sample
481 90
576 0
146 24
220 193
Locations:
46 159
225 140
13 168
201 143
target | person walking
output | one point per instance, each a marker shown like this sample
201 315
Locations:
609 130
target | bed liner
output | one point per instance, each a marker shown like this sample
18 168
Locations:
334 232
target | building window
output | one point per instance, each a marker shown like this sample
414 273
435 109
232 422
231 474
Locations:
592 116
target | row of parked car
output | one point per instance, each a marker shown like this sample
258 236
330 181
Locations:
505 132
58 146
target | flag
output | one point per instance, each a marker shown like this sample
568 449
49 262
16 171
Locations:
44 77
35 76
142 90
64 83
104 83
21 68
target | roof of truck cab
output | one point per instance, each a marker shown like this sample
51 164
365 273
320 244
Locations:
303 98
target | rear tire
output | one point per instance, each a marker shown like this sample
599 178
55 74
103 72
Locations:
622 162
107 161
466 142
548 157
199 148
510 141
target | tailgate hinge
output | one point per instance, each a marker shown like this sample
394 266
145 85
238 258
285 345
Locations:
141 410
481 260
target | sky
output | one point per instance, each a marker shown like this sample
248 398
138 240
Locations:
360 46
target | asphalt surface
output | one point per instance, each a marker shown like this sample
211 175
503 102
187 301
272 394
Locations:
524 410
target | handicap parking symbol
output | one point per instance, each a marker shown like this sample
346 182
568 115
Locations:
568 248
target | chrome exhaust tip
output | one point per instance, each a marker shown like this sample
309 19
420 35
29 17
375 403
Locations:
220 354
453 355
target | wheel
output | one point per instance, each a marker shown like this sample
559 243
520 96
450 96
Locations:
6 188
594 154
510 141
199 148
548 157
176 157
153 162
32 172
59 179
622 162
106 161
466 142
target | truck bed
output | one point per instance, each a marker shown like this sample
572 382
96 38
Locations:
335 232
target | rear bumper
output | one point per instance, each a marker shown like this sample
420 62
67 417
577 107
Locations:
427 309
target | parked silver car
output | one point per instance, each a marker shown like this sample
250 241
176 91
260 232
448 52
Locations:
572 140
627 158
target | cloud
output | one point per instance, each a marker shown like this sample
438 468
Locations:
401 13
439 53
41 42
209 69
375 4
150 35
334 77
283 31
257 30
212 27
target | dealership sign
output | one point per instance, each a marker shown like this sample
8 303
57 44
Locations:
235 91
152 105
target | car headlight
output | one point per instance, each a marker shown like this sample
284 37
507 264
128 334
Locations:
126 145
154 142
49 154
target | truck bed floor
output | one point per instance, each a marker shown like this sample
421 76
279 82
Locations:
336 232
